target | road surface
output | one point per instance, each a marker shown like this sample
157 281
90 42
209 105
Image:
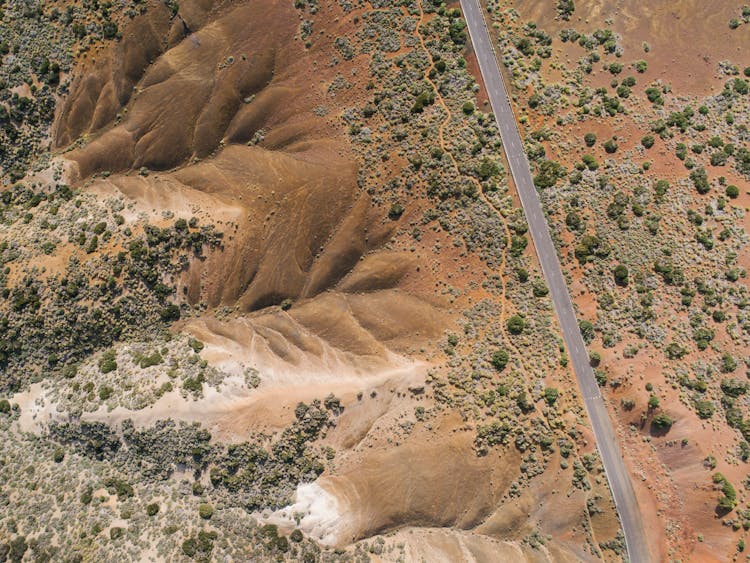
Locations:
609 451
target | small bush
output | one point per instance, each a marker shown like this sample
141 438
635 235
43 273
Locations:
170 313
663 421
500 359
621 275
150 360
205 511
516 324
107 362
550 395
395 211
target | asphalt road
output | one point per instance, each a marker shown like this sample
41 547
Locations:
609 450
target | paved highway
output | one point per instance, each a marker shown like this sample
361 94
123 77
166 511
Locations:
617 475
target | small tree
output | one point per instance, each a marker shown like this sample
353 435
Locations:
663 421
621 275
395 211
587 331
205 511
700 180
595 359
589 139
550 395
516 324
500 359
107 362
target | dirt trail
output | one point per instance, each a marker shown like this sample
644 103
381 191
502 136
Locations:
480 191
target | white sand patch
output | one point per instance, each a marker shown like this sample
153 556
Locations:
234 411
315 511
281 360
36 408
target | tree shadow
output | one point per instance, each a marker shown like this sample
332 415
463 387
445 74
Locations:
657 430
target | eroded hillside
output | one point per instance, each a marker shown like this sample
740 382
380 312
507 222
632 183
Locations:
269 296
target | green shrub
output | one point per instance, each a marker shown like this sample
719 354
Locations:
193 384
654 96
587 331
107 362
87 495
610 146
674 351
660 188
705 409
540 288
170 313
205 511
589 139
732 191
500 359
150 360
700 180
516 324
728 363
590 162
122 489
621 275
548 174
395 211
105 392
550 395
4 406
663 421
190 547
648 141
517 245
152 509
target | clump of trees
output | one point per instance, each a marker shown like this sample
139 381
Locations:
728 498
